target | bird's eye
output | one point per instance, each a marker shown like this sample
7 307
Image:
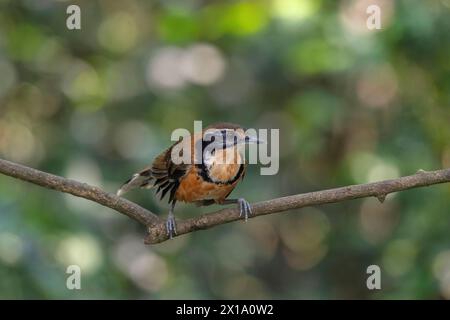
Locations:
209 136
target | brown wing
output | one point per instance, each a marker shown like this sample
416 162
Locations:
162 174
167 174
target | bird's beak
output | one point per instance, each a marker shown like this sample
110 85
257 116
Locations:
254 140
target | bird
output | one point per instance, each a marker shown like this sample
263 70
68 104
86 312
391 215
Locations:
202 179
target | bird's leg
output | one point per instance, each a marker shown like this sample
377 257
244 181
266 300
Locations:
171 226
245 210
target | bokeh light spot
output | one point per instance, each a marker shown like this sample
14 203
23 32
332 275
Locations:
203 64
118 33
80 249
295 11
11 248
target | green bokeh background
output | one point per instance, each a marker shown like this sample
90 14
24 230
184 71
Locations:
353 105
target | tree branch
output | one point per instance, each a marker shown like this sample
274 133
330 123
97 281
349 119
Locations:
79 189
156 226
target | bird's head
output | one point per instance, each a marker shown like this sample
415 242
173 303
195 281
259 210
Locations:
223 143
225 135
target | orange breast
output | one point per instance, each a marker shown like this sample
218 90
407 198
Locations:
193 188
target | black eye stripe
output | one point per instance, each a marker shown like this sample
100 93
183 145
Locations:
227 134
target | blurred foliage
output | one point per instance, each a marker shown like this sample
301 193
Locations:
353 105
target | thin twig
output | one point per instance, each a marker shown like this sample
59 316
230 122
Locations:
156 226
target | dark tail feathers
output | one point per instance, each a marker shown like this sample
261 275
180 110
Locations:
138 180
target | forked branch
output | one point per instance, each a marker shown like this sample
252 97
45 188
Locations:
156 226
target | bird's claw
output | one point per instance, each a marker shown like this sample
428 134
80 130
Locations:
171 226
245 209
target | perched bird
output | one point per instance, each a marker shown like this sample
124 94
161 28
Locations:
206 178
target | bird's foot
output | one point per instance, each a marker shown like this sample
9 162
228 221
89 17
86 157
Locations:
245 210
171 226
